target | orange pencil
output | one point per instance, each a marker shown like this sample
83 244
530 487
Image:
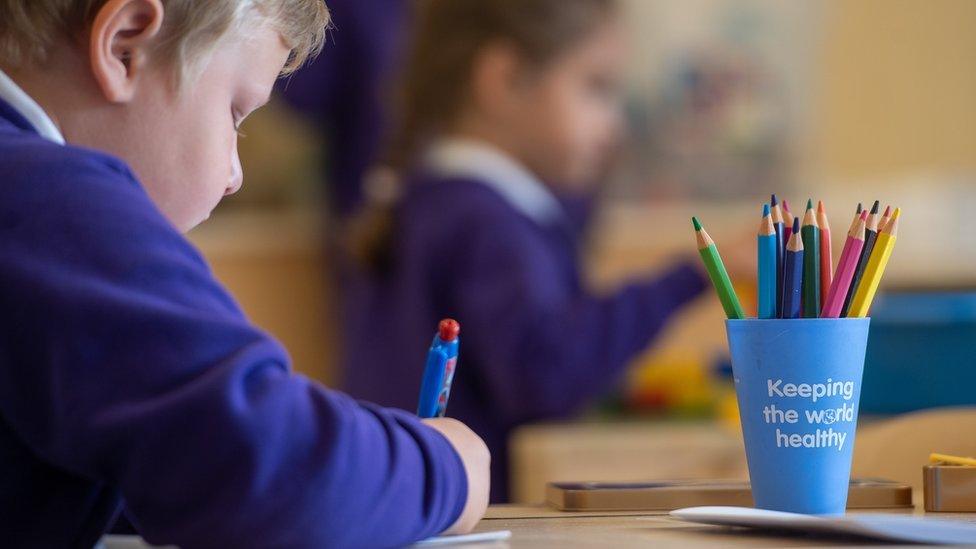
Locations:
826 257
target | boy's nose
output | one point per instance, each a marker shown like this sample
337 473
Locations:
236 182
233 188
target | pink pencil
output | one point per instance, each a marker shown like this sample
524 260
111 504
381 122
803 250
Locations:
845 268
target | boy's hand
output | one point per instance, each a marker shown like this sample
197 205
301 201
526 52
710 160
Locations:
477 464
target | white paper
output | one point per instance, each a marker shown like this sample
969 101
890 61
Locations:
902 528
481 537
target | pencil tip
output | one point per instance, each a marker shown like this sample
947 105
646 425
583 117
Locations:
809 203
897 213
820 206
765 210
786 205
887 211
694 221
874 208
859 207
772 200
796 225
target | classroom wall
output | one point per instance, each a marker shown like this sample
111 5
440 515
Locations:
897 92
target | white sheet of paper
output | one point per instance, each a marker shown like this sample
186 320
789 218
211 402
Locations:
903 528
135 542
481 537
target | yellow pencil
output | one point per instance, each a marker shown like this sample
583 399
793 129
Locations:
951 460
861 303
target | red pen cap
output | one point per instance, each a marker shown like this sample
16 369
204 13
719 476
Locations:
448 329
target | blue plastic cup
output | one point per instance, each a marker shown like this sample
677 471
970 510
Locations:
798 383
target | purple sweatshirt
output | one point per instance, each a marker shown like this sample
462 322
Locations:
345 90
129 376
535 344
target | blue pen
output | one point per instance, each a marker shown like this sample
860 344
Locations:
435 388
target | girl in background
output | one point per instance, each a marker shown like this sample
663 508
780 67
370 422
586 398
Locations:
508 108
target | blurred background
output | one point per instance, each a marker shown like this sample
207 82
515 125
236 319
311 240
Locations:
843 100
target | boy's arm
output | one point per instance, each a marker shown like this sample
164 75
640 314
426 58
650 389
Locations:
546 352
125 362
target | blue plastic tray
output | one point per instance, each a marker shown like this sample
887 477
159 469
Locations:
921 352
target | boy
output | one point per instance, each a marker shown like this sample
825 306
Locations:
127 374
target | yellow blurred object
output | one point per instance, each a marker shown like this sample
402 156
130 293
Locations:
672 385
727 410
944 459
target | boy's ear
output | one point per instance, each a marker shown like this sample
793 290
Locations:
121 39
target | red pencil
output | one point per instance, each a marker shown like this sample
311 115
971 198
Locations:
826 254
845 268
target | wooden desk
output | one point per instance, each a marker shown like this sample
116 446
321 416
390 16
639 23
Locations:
539 526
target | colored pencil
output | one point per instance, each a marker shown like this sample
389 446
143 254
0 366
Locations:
826 253
870 236
810 234
766 245
777 216
885 218
787 222
875 268
845 268
793 274
716 272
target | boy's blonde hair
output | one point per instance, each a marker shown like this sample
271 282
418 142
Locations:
191 28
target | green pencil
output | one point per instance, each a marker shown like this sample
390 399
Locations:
810 234
716 272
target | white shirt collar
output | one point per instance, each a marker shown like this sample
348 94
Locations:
491 166
29 109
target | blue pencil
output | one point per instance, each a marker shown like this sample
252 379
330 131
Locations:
766 243
777 216
793 274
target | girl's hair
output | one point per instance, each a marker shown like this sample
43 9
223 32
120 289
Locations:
449 36
29 29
